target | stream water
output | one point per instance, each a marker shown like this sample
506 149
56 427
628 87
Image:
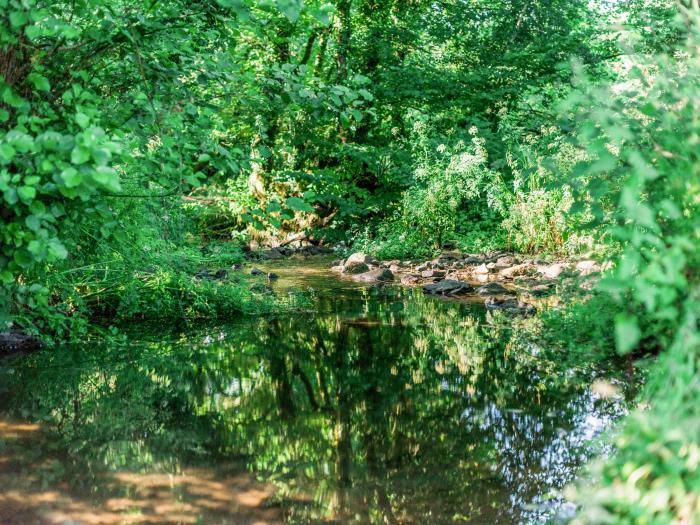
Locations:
379 405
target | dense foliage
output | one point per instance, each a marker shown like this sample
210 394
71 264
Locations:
143 142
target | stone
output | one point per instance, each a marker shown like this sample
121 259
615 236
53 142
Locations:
374 276
394 268
432 274
411 279
491 266
552 271
256 271
355 268
338 268
337 262
272 276
211 276
587 267
271 254
482 269
507 260
509 305
516 271
357 263
448 258
423 267
473 259
492 289
448 287
15 341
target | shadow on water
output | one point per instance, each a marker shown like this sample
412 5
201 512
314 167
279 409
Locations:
380 406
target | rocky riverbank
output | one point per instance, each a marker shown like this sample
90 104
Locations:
504 281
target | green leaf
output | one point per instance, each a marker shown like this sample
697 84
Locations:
71 177
82 120
11 98
290 8
107 178
356 115
33 223
7 153
26 193
297 204
80 155
627 333
57 250
366 94
10 196
40 82
18 18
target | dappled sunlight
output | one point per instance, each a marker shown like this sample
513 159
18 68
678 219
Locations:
196 495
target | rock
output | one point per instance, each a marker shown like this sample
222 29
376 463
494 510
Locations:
432 274
256 271
338 268
492 289
236 266
357 263
423 267
271 254
337 262
355 268
491 266
394 268
509 305
448 245
374 276
211 276
482 269
272 276
587 267
411 279
515 271
358 257
473 259
260 288
15 341
552 271
448 258
507 260
448 287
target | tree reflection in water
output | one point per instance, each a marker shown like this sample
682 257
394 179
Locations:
382 406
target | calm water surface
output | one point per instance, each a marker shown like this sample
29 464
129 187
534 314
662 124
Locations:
378 405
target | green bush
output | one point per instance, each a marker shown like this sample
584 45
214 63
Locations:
642 134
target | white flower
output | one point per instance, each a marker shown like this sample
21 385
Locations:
441 148
473 130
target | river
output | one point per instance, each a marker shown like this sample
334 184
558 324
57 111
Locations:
375 405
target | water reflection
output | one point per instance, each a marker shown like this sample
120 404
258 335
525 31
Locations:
381 406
